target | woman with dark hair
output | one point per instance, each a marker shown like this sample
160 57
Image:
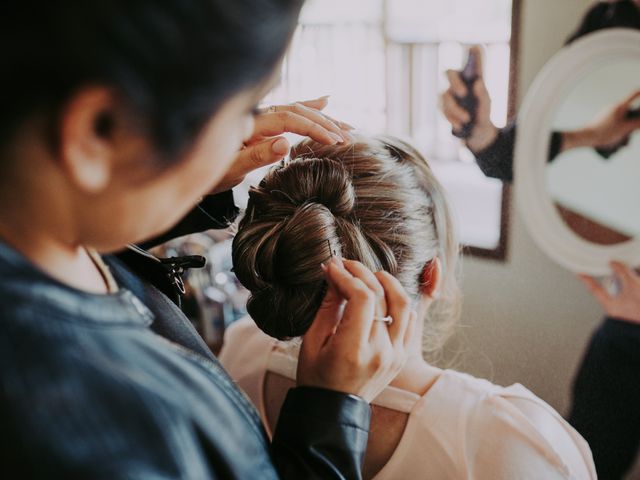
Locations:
116 119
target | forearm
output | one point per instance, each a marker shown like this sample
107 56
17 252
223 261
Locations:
213 212
576 139
321 434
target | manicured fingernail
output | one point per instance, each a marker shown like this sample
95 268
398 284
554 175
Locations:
346 126
336 137
337 261
324 97
280 146
324 267
349 137
346 137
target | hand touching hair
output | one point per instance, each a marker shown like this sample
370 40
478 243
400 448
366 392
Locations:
375 201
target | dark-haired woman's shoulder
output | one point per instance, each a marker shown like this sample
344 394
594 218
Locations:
91 401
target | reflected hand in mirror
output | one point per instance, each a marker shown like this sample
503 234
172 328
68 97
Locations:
609 131
581 208
625 305
484 132
266 145
596 199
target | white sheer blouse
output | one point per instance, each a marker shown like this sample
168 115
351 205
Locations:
462 428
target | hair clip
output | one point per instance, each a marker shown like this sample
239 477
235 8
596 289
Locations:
332 252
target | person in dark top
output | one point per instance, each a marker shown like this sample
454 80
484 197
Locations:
494 147
606 389
119 118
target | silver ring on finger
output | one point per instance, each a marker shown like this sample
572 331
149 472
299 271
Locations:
387 319
265 110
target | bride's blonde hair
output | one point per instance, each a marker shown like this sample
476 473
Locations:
375 200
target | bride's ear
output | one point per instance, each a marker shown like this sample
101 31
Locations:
430 279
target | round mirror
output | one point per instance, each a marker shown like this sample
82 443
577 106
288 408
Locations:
578 153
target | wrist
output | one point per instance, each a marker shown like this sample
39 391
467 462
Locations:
576 139
483 136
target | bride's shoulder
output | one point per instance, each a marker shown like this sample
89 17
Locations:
529 434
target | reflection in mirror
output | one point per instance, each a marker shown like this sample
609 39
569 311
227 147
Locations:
595 155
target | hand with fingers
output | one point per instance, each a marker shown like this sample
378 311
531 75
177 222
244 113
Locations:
625 305
350 347
267 145
484 131
610 129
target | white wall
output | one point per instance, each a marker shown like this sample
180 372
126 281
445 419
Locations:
527 320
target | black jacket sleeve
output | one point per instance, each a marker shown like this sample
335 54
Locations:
321 434
213 212
496 161
606 394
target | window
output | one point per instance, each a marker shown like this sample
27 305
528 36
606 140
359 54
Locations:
383 62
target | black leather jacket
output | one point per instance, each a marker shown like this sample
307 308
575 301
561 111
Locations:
121 386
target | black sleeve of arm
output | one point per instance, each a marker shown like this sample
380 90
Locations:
595 19
321 434
555 145
606 393
496 161
213 212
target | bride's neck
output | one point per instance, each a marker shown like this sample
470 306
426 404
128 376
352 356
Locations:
417 375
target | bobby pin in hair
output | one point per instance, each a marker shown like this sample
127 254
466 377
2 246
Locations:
332 252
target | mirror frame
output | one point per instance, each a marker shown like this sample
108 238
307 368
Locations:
547 228
500 252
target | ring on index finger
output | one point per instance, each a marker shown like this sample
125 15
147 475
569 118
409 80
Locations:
386 319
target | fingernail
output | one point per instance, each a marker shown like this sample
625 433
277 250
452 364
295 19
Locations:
280 146
348 137
325 97
346 126
337 261
336 137
324 267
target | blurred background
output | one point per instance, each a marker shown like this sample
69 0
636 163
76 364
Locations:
384 61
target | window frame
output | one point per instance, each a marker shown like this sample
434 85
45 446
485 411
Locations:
500 253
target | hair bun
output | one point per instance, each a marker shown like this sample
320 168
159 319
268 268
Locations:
313 180
289 229
281 314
